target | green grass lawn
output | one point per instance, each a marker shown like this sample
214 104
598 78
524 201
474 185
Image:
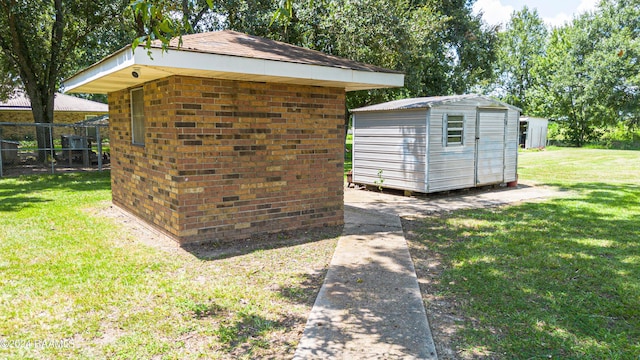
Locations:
558 279
77 284
348 155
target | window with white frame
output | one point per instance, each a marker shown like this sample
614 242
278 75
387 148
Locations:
137 116
454 130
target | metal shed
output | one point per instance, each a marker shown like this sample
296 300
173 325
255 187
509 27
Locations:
533 132
435 143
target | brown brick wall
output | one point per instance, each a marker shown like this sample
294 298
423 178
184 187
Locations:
227 159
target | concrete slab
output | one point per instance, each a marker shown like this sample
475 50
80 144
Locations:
425 205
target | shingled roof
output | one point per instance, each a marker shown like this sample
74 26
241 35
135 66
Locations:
234 43
20 102
230 55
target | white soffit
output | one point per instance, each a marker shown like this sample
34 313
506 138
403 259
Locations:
115 72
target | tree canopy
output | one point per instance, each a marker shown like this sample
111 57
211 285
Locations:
441 46
521 46
40 45
585 73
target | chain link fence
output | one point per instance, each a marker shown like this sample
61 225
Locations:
33 148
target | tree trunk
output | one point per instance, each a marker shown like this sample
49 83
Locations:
39 86
42 110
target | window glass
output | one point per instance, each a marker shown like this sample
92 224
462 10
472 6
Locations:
137 116
455 130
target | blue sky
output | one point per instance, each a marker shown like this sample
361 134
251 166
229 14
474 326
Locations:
553 12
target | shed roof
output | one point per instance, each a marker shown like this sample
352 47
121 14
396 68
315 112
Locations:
428 102
20 102
533 118
230 55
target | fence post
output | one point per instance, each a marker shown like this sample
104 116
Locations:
52 148
99 148
86 161
1 175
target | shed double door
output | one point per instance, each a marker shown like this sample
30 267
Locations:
490 142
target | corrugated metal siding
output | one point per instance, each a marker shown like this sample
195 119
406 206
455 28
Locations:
394 142
451 167
490 159
511 146
536 133
408 146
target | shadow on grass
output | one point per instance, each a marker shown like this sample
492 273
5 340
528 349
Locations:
248 330
260 242
305 291
241 331
244 332
553 279
22 192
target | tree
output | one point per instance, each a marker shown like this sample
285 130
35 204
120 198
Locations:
521 46
563 94
9 81
370 31
441 46
467 44
39 43
589 77
616 60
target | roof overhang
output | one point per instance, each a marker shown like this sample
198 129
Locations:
527 118
115 72
480 101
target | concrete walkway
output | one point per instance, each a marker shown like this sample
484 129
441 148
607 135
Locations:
370 305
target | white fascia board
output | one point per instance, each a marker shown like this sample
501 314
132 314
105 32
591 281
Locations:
177 59
116 62
378 78
304 71
177 62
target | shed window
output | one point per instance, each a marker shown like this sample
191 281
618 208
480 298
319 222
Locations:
137 116
454 130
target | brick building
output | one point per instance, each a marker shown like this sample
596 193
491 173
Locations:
229 135
66 110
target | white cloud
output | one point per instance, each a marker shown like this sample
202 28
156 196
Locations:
562 18
494 12
558 20
586 5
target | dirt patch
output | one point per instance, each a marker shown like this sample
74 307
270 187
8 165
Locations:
136 229
140 231
293 266
262 241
